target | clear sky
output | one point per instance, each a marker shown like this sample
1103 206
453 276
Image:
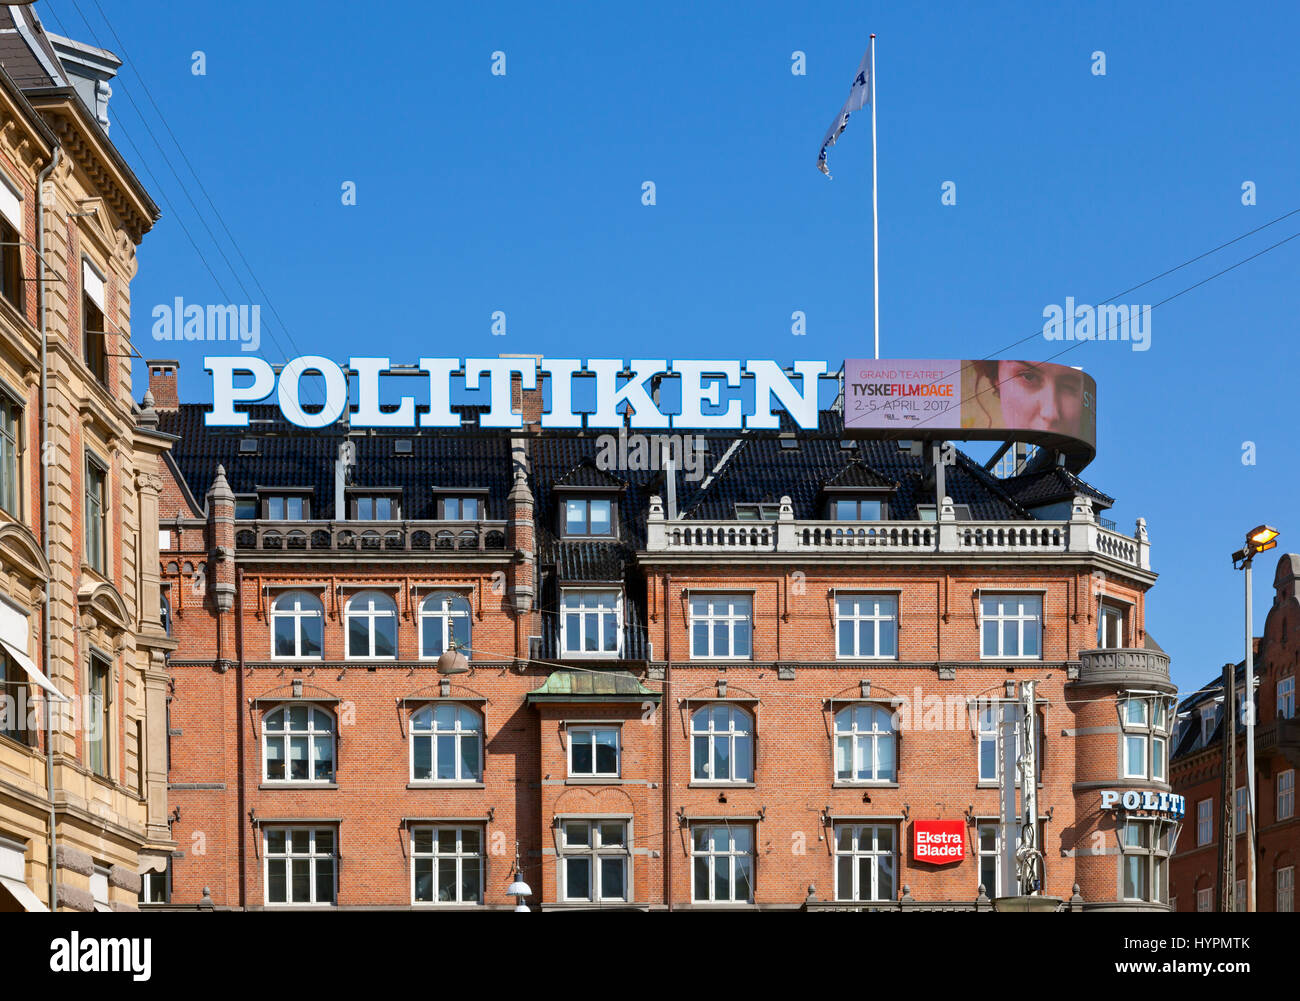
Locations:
522 193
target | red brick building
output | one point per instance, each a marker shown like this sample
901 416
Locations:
751 704
1197 771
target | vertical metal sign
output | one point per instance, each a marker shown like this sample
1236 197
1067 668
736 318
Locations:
1008 728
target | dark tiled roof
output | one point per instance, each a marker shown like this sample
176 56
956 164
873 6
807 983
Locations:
595 561
287 457
31 64
1190 739
858 474
1052 486
587 474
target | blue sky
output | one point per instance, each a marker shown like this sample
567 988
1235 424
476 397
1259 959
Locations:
522 193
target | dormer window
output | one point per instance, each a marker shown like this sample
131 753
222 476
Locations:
375 505
461 504
758 512
285 505
857 509
589 516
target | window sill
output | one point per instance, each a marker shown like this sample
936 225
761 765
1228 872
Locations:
593 780
994 784
445 785
865 785
721 785
297 785
7 740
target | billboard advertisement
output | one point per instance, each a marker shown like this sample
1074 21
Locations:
994 399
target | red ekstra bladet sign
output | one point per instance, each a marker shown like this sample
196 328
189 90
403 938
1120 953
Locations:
939 842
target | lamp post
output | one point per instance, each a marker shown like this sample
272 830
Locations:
1258 539
518 888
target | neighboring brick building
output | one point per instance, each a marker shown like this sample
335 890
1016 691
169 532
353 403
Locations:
750 705
76 455
1196 769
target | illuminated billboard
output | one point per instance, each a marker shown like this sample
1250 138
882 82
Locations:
1037 402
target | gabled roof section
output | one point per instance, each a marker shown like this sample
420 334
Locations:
585 560
1053 486
26 51
858 474
587 474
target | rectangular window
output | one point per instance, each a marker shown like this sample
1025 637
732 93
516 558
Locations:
96 506
98 733
286 507
379 507
300 865
1286 890
1110 632
857 510
1286 794
593 751
721 627
594 860
156 887
1239 809
10 450
1204 821
1239 903
866 625
1144 860
591 623
588 516
1205 900
990 714
12 286
866 861
94 339
447 865
1286 697
989 850
246 508
722 859
462 509
1209 716
1011 626
14 705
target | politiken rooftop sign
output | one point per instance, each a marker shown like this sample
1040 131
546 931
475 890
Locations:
1036 402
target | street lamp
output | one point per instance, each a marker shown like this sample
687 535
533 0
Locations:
1258 540
518 888
452 660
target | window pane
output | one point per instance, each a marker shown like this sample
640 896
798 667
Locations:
743 766
471 881
577 875
424 879
722 879
990 645
386 636
600 517
581 753
301 874
298 759
325 881
744 878
885 759
422 766
312 628
451 509
275 759
721 646
446 756
275 842
447 880
607 751
358 636
284 635
275 880
700 752
845 630
844 877
742 640
721 758
611 878
324 764
701 877
844 758
575 517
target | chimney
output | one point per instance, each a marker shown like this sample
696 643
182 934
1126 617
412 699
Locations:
162 384
527 404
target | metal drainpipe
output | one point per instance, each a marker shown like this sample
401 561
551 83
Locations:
239 733
45 521
668 757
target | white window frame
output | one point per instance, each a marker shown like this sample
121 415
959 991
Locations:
856 851
1018 616
289 856
1284 884
1204 821
314 735
96 522
1154 854
1205 900
435 855
729 855
1112 612
875 619
987 731
740 729
458 734
444 608
856 737
298 615
594 852
571 732
1286 697
583 611
12 412
712 616
371 615
586 503
1240 808
1150 731
1209 716
1285 794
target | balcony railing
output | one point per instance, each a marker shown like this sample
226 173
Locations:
1080 535
1125 667
370 536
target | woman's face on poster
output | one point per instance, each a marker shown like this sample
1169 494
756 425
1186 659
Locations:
1044 398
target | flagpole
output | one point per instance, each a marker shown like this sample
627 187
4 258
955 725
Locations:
875 228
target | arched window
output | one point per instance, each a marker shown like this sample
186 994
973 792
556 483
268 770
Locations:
722 744
298 744
864 745
297 625
443 617
446 744
371 626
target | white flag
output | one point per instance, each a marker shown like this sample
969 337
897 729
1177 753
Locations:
860 94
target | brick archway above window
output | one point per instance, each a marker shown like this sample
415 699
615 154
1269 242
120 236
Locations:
103 603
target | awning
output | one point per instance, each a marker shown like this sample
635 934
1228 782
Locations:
33 672
20 892
152 862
